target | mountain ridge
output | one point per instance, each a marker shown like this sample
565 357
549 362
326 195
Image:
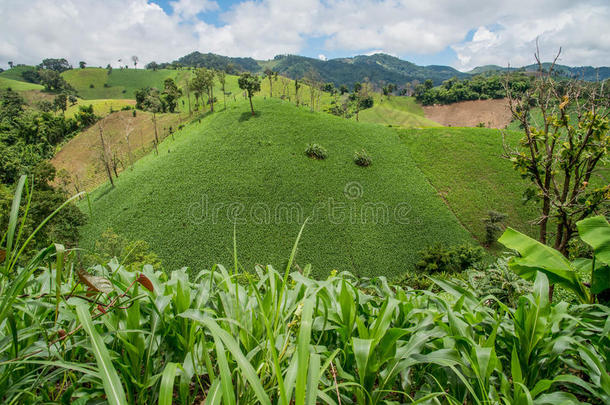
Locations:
379 68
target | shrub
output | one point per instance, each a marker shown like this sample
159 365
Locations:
441 259
494 224
498 280
126 108
316 151
362 158
106 85
91 86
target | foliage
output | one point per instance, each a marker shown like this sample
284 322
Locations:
27 137
536 257
55 64
266 183
130 254
561 157
316 151
480 87
250 84
53 81
140 336
171 94
499 281
494 225
362 158
454 259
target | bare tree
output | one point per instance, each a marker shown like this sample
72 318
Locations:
135 61
105 153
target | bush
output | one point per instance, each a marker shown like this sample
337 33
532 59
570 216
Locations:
362 158
316 151
501 282
494 225
440 259
126 108
91 86
106 85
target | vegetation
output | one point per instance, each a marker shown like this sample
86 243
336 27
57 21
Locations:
465 167
266 179
455 259
481 87
561 157
135 335
362 158
251 85
316 151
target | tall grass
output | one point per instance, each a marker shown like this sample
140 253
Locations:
134 335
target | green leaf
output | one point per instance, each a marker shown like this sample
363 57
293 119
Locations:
595 232
167 384
303 351
537 257
110 378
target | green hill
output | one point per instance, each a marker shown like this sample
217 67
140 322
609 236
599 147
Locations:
121 83
466 167
252 172
397 112
18 85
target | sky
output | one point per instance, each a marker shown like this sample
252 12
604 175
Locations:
462 34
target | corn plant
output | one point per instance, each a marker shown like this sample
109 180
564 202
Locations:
125 335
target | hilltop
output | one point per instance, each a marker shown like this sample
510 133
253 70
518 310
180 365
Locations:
251 172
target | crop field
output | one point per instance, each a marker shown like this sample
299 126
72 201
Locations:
466 167
397 112
233 169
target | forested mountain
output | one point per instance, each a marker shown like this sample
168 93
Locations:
378 68
587 73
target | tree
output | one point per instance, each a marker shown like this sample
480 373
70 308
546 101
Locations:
82 64
171 94
108 69
61 102
204 83
152 66
11 64
53 81
297 86
135 61
343 89
270 74
105 154
222 79
251 84
57 65
562 156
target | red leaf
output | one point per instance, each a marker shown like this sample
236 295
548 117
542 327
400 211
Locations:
146 283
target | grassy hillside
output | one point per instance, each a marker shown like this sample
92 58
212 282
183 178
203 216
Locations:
252 171
121 83
465 166
398 111
18 85
15 73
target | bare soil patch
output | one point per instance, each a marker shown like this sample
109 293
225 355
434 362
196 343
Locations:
492 113
79 164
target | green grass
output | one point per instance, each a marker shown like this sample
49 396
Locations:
15 73
466 167
18 85
256 166
122 83
398 111
100 107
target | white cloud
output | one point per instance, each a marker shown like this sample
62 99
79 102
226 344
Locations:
100 32
190 8
322 57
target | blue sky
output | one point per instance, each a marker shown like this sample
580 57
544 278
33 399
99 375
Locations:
462 34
